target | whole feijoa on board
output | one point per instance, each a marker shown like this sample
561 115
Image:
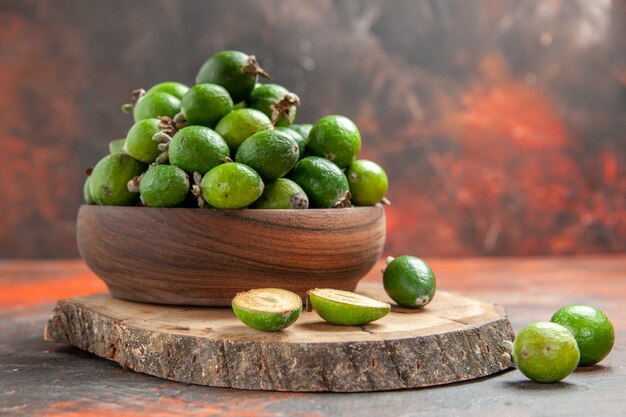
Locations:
278 103
409 281
197 149
163 186
368 182
236 71
109 178
239 125
323 182
155 105
335 138
230 186
282 193
345 308
206 104
139 141
267 309
271 153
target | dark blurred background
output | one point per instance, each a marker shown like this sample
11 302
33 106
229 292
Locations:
501 124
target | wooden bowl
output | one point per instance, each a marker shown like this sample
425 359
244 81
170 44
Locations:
205 257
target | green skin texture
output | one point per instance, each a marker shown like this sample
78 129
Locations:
109 179
303 129
300 140
335 138
116 146
239 125
409 281
87 193
266 322
270 153
197 149
139 143
224 69
156 104
322 181
282 193
592 330
545 352
173 88
206 104
345 314
368 182
164 186
231 186
264 96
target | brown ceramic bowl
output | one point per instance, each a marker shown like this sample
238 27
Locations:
205 257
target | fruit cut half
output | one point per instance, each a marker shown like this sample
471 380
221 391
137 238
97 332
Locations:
267 309
344 307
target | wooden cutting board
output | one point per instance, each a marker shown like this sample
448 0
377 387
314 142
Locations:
454 338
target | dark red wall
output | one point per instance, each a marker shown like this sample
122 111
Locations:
500 123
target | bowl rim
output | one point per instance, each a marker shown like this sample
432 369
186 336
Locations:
376 207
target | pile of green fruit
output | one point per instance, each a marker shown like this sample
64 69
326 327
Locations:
230 142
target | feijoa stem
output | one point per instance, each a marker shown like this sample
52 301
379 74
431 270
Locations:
137 94
283 106
344 202
252 67
133 185
196 190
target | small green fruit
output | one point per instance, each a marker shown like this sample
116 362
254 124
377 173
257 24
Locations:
164 186
174 88
270 153
239 125
155 105
368 182
346 308
267 309
206 104
109 179
300 140
140 143
409 281
231 186
282 194
335 138
197 149
323 182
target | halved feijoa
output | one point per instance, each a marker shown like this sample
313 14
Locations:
267 309
345 307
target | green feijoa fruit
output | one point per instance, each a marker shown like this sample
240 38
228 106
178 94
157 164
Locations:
345 308
270 153
155 105
303 129
545 352
276 102
108 183
409 281
239 125
301 141
87 192
368 182
231 186
139 143
282 194
335 138
116 146
164 186
592 330
236 71
197 149
323 182
174 88
206 104
267 309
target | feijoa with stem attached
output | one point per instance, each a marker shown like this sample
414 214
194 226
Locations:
344 307
282 193
270 153
368 182
155 105
109 178
409 281
162 186
267 309
278 103
231 186
335 138
239 125
301 141
323 182
206 104
236 71
174 88
197 149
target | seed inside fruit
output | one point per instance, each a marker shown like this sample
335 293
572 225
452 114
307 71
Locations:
267 309
345 307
